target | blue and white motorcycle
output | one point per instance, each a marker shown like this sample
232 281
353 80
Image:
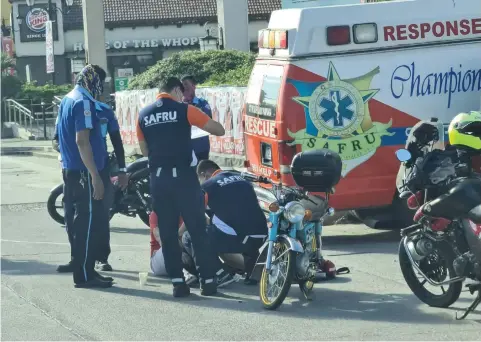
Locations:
293 249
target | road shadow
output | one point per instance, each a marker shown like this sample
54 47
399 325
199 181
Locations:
141 231
382 242
327 304
26 267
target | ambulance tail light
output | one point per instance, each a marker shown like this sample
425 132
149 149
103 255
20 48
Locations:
338 35
365 33
272 39
286 153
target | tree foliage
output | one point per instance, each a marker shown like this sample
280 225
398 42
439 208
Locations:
14 87
217 67
11 84
45 93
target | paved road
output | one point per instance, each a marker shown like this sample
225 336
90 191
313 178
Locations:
372 303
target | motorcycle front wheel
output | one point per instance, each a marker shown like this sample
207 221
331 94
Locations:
275 284
438 266
55 204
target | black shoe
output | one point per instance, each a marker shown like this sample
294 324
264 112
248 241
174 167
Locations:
67 268
181 290
94 283
209 289
101 277
104 266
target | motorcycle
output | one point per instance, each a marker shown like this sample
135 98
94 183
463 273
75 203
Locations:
292 250
443 246
133 201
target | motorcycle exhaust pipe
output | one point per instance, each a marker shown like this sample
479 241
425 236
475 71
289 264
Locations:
430 281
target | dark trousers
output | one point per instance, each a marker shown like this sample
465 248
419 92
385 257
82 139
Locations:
177 193
89 221
69 212
223 243
202 155
103 251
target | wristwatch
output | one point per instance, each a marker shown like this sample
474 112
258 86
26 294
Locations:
123 170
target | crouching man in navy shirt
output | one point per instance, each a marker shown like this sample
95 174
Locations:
238 224
164 131
83 153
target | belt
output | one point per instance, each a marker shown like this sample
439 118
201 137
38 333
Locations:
173 169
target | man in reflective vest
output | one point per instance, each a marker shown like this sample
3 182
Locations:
164 133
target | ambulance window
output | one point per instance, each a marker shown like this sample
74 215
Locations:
263 91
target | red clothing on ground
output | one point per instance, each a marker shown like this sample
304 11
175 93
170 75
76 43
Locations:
153 223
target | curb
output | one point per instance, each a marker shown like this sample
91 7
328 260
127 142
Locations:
37 151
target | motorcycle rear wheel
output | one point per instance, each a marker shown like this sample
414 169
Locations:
285 264
449 296
52 207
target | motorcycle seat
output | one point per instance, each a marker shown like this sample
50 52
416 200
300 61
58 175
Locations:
138 164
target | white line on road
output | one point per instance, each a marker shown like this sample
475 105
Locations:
59 243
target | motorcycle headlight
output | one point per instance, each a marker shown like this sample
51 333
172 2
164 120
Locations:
294 212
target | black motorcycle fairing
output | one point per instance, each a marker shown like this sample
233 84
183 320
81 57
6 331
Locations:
474 242
475 215
138 164
458 202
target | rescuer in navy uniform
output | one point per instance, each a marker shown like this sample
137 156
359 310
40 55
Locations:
84 154
238 224
201 145
164 134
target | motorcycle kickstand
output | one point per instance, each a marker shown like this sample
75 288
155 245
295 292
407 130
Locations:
471 308
306 292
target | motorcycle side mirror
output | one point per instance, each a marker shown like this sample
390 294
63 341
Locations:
403 155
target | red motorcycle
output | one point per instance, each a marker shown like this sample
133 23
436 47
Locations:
443 246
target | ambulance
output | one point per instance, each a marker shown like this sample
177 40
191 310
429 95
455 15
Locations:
355 79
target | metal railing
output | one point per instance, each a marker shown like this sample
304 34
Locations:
15 112
39 120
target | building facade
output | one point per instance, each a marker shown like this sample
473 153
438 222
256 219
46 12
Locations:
138 33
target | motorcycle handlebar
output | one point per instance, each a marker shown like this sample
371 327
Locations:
254 178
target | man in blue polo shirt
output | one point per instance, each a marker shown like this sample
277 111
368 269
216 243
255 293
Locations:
84 155
201 145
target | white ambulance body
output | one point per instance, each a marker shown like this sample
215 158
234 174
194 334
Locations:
354 79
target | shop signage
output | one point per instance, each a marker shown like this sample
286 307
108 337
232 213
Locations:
121 83
49 48
7 48
144 43
33 27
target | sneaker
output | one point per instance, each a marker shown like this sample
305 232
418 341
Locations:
95 282
208 289
104 266
192 280
181 290
226 278
101 277
67 268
